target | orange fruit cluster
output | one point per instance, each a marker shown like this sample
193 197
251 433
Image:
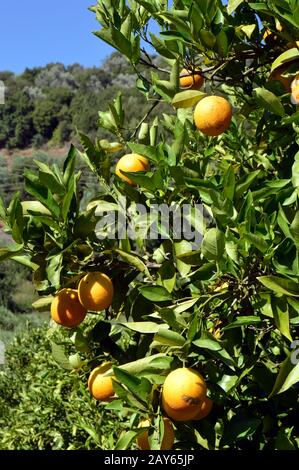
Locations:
184 395
95 292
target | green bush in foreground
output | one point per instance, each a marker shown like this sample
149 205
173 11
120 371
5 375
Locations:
44 407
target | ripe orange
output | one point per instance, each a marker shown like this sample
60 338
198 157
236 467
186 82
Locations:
100 386
277 75
95 291
182 393
132 162
295 90
205 408
191 79
66 309
213 115
180 415
168 438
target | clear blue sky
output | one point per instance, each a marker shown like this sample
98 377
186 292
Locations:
37 32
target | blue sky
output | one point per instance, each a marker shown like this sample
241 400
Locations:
35 32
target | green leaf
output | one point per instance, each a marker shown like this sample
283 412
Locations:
49 179
208 343
166 275
162 48
245 183
248 29
16 219
239 428
280 285
43 304
139 387
144 150
49 221
193 258
157 363
213 244
222 43
6 253
287 56
139 178
68 197
133 260
295 172
257 241
233 5
69 165
281 316
183 306
187 98
116 39
143 327
59 356
288 376
228 382
229 183
205 272
267 100
127 438
243 321
25 261
177 18
34 207
115 405
169 338
91 431
215 350
207 38
181 248
40 192
231 249
155 293
54 268
93 156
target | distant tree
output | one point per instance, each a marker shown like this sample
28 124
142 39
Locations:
55 76
45 117
31 74
16 123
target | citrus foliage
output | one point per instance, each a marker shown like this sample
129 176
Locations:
229 308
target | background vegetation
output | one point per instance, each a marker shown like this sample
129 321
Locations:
46 105
229 309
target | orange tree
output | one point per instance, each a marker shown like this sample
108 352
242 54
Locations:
227 307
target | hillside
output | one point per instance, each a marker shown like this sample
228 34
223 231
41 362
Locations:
45 105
